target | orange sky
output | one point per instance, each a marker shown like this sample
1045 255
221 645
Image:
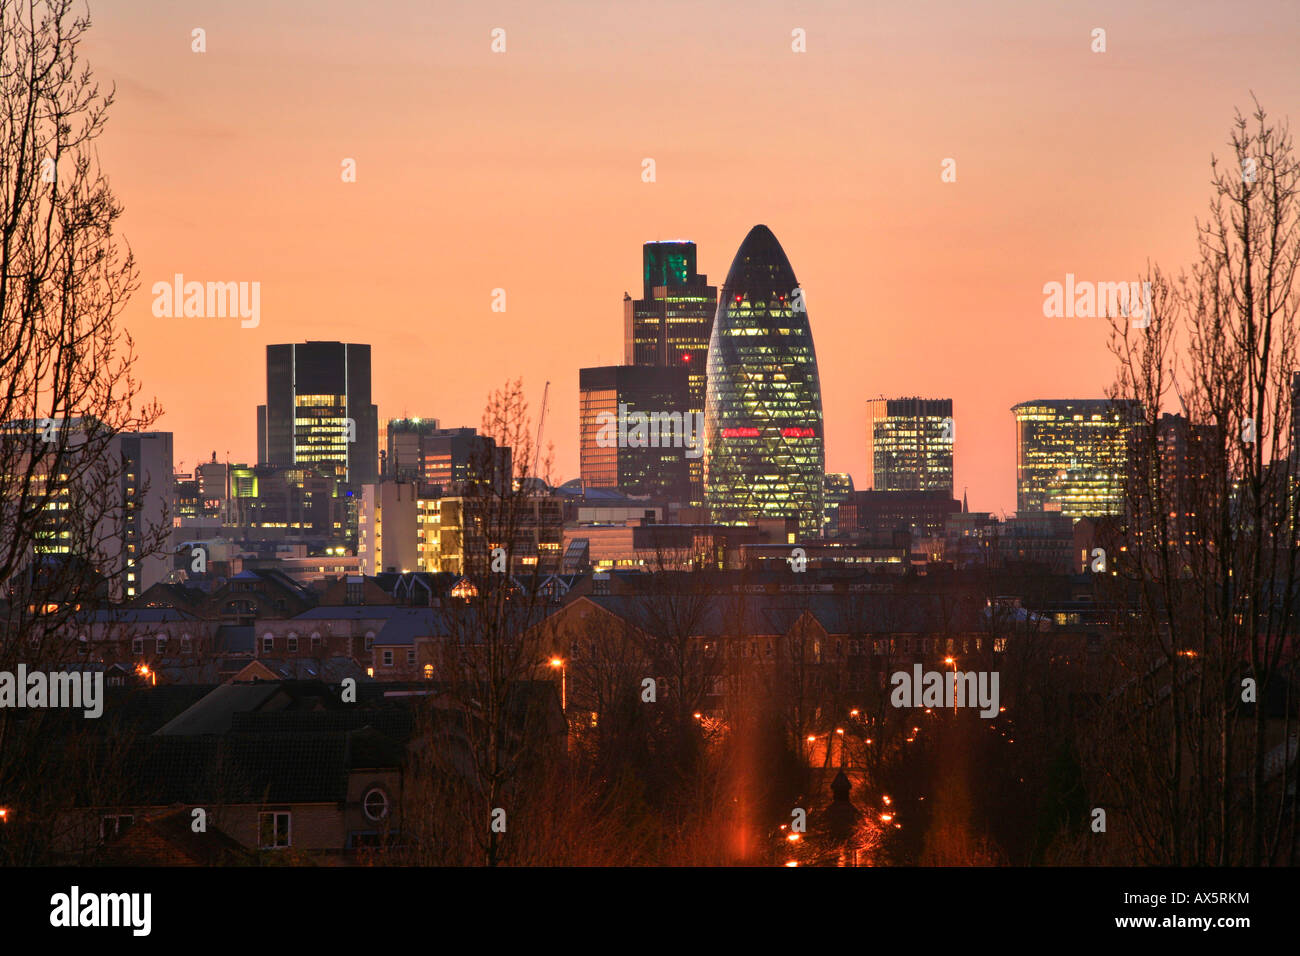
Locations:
522 171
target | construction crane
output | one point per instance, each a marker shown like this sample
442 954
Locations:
541 420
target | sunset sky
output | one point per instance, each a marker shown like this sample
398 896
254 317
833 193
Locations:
522 171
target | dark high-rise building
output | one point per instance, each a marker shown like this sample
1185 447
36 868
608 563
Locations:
637 431
1072 455
765 456
838 489
403 460
456 458
670 325
910 443
1295 423
318 412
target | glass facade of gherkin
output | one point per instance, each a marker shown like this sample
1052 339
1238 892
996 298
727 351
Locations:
765 454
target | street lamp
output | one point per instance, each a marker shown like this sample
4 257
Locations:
564 674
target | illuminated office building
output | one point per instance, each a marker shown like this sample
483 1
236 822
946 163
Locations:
910 444
318 412
670 325
1072 455
655 461
765 456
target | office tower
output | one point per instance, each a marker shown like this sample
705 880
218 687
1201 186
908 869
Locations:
213 478
451 458
146 488
1295 424
764 457
672 323
637 430
318 412
910 444
1072 455
838 488
404 460
105 518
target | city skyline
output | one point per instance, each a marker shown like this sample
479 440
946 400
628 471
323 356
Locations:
526 153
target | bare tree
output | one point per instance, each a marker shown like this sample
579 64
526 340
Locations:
66 383
1184 746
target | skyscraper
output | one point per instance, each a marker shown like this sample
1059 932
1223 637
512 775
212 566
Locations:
765 456
910 444
1072 455
671 324
653 459
318 411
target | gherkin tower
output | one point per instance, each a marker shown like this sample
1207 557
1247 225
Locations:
765 456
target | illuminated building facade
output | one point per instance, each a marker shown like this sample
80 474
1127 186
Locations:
765 453
671 324
1072 455
318 412
661 470
910 444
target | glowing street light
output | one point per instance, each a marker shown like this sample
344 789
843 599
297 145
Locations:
564 681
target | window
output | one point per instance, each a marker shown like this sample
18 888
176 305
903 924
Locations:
114 824
268 644
315 643
428 672
410 655
161 644
187 644
137 645
388 657
293 643
274 831
370 640
375 804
